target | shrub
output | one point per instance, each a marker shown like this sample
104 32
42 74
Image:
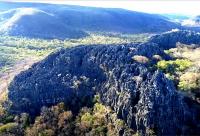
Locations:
99 120
65 118
51 121
137 134
96 98
99 131
173 66
84 122
2 111
87 119
120 123
189 81
182 64
140 59
7 118
8 127
100 108
150 132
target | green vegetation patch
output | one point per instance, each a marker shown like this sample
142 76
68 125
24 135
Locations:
8 127
184 70
173 66
14 49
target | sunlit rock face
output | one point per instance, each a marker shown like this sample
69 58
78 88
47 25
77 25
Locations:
140 95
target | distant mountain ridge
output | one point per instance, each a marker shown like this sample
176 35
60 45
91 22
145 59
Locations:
176 17
66 21
192 22
35 23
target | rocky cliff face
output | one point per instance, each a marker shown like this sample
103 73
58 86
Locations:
169 39
142 97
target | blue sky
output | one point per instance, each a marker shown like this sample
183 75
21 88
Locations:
187 7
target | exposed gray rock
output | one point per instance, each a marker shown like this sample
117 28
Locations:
142 97
169 39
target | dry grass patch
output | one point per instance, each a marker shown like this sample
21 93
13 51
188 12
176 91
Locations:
189 81
140 59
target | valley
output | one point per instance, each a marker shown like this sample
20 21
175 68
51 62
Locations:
18 53
7 75
13 49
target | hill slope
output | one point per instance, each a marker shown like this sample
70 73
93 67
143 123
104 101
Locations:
114 20
34 23
33 19
141 97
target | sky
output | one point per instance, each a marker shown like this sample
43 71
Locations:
186 7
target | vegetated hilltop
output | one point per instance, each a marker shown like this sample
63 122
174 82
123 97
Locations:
169 39
64 21
114 20
35 23
122 75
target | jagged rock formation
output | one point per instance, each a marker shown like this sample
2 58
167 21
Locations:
169 39
142 97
